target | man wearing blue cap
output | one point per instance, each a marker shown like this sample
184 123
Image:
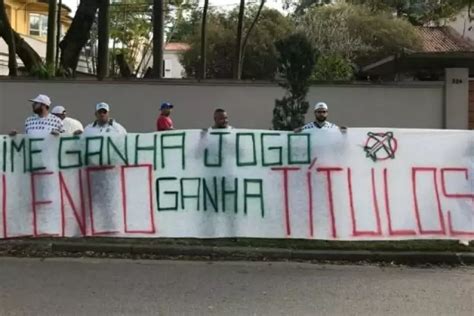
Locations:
164 121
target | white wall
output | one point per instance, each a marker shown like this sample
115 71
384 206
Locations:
250 105
457 94
173 67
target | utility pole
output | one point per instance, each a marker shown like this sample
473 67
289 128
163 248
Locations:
58 33
103 50
51 43
158 26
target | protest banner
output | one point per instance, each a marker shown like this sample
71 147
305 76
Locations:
366 184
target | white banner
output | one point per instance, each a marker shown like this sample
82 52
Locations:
367 184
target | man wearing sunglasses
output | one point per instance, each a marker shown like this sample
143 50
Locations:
103 123
321 122
42 123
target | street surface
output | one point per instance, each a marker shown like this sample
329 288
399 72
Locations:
126 287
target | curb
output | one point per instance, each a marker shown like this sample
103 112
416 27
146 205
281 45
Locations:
42 249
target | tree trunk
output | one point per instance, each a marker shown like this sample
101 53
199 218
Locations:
58 34
203 64
103 30
51 39
158 30
12 65
77 35
238 44
28 56
125 69
244 44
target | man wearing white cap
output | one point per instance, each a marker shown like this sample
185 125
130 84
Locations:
103 123
71 126
320 114
41 123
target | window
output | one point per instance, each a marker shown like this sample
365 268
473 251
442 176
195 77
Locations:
38 24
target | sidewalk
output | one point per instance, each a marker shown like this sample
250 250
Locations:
399 252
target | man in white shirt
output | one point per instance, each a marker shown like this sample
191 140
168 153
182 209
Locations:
321 122
42 123
71 126
103 123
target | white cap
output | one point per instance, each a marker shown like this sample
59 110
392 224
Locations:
43 99
58 109
102 106
320 106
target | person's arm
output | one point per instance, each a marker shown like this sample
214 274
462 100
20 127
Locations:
301 128
59 128
120 129
78 128
169 125
298 130
14 132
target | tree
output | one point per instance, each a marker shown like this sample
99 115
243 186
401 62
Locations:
187 18
246 38
260 53
28 55
418 12
296 62
238 43
9 39
203 59
130 30
333 68
300 7
77 36
353 32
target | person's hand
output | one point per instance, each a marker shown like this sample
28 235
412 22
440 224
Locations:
77 133
298 130
343 129
13 133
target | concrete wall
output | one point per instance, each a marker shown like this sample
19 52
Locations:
414 105
457 96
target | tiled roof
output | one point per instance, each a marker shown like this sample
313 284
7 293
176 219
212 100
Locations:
177 46
443 39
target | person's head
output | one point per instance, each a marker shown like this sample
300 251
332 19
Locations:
59 111
321 111
166 108
41 104
221 119
102 110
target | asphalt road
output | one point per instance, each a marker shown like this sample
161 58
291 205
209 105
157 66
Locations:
127 287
